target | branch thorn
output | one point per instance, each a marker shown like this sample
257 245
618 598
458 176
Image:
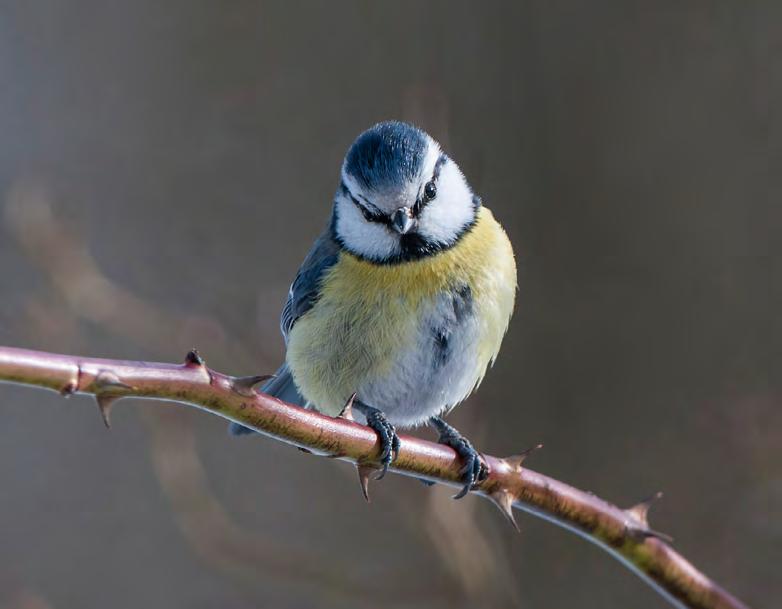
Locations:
107 385
193 358
347 410
658 535
69 389
504 500
245 385
640 511
105 402
364 472
106 381
516 461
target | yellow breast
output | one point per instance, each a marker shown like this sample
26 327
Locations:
367 314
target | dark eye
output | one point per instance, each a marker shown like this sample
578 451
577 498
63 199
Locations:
430 191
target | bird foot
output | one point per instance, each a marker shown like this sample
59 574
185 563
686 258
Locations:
389 440
474 469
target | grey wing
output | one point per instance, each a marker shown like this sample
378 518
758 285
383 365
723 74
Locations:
302 295
305 289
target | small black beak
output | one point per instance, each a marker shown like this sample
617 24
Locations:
402 220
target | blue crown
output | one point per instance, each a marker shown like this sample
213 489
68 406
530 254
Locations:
387 155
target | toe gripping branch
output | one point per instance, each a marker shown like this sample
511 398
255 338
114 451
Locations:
474 469
386 433
365 470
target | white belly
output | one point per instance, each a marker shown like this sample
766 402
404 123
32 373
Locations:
435 373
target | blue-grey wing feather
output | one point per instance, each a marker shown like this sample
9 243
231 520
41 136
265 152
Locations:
305 289
303 294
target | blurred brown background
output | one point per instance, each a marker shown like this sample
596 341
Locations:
164 168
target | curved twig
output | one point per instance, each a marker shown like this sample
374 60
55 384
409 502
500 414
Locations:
50 242
624 533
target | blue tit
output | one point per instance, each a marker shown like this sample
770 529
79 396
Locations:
405 297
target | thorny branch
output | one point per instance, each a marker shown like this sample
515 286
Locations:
472 568
626 534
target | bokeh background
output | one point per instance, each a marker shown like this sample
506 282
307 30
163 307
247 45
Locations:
164 167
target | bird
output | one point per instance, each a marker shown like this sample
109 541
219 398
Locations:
403 301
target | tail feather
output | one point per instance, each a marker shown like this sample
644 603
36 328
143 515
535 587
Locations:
280 386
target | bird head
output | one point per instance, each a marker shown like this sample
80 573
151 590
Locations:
401 197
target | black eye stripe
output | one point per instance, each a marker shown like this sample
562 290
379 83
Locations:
438 166
370 215
373 214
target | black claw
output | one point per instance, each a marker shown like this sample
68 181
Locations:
474 469
389 441
465 489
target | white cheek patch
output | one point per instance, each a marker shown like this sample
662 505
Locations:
367 239
446 216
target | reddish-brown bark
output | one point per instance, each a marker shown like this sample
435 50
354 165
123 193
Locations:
624 533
